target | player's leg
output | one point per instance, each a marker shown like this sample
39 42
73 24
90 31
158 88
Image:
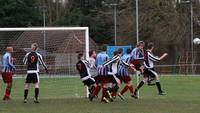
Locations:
36 81
158 85
145 75
29 78
8 81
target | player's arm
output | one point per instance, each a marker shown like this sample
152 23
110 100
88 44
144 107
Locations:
154 58
25 59
111 60
42 62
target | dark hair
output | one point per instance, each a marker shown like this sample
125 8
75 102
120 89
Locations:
91 52
150 45
140 43
128 51
120 51
104 47
115 53
79 56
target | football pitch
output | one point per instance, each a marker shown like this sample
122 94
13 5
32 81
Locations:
67 95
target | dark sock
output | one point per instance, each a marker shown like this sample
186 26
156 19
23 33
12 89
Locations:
36 93
159 87
25 93
140 85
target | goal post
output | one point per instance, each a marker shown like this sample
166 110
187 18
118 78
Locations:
60 60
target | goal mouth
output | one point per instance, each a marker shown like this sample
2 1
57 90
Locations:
57 45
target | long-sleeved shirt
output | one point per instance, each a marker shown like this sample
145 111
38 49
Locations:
150 59
137 54
7 63
32 60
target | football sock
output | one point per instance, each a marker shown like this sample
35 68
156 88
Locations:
124 89
96 90
140 85
25 93
159 87
8 90
131 89
104 92
36 93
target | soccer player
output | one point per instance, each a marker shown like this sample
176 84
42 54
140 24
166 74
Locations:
32 60
149 70
7 71
93 71
102 74
137 56
83 66
125 76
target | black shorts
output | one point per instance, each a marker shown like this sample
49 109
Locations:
89 82
150 73
32 78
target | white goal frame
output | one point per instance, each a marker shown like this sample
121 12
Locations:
86 29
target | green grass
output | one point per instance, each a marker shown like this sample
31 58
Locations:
66 95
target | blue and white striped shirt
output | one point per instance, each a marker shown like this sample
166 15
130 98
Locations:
137 54
7 63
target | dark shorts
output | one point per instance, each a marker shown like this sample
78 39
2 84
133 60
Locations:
97 80
32 78
150 73
125 79
89 82
111 79
137 64
7 77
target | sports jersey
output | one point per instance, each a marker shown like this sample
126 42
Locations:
115 64
123 70
7 63
33 60
137 54
83 67
102 57
150 59
93 69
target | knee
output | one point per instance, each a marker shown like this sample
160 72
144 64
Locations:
36 85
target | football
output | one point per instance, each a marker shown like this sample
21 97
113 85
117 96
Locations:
196 41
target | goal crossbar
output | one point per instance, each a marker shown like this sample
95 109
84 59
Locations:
55 29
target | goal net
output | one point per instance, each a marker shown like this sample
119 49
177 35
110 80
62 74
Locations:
57 45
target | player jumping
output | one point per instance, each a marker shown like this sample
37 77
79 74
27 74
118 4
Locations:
149 70
32 60
7 71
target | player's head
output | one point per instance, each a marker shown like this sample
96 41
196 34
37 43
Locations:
150 46
120 51
104 47
115 53
92 53
140 44
9 49
80 56
128 51
34 46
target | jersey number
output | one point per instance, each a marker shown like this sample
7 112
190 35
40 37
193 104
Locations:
32 59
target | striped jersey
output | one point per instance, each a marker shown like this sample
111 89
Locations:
124 69
7 62
137 54
33 60
150 59
115 64
102 57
